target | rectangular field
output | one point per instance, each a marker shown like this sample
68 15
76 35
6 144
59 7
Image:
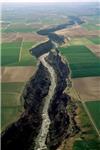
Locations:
95 40
82 61
26 59
94 109
17 54
90 26
10 52
80 41
20 27
11 106
86 145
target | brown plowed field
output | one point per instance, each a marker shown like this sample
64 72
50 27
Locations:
88 88
16 74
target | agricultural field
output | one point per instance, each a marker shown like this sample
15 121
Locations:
15 74
82 61
87 87
86 145
95 40
16 54
92 22
80 41
94 109
25 58
11 104
19 27
88 139
90 26
10 52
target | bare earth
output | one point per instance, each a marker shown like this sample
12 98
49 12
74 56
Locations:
33 37
88 88
95 49
77 31
16 74
28 37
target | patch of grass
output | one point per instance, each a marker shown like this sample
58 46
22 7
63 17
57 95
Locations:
12 99
10 52
11 106
20 27
91 26
88 131
82 61
80 41
95 40
9 115
12 87
94 109
26 57
86 145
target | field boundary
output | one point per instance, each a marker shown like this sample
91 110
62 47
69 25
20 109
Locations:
21 48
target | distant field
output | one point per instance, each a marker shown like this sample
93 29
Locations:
10 52
90 26
86 145
13 50
19 27
82 61
95 40
10 102
94 109
80 41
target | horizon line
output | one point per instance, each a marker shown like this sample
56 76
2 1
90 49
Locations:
30 1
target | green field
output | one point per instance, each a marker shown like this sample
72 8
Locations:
88 138
95 40
19 27
90 26
12 51
94 109
80 41
10 102
82 61
86 145
26 58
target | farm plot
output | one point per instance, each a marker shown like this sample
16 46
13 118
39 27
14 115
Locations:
82 61
94 109
86 145
10 52
25 58
17 54
90 26
95 49
80 41
88 87
16 74
95 40
20 27
11 106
